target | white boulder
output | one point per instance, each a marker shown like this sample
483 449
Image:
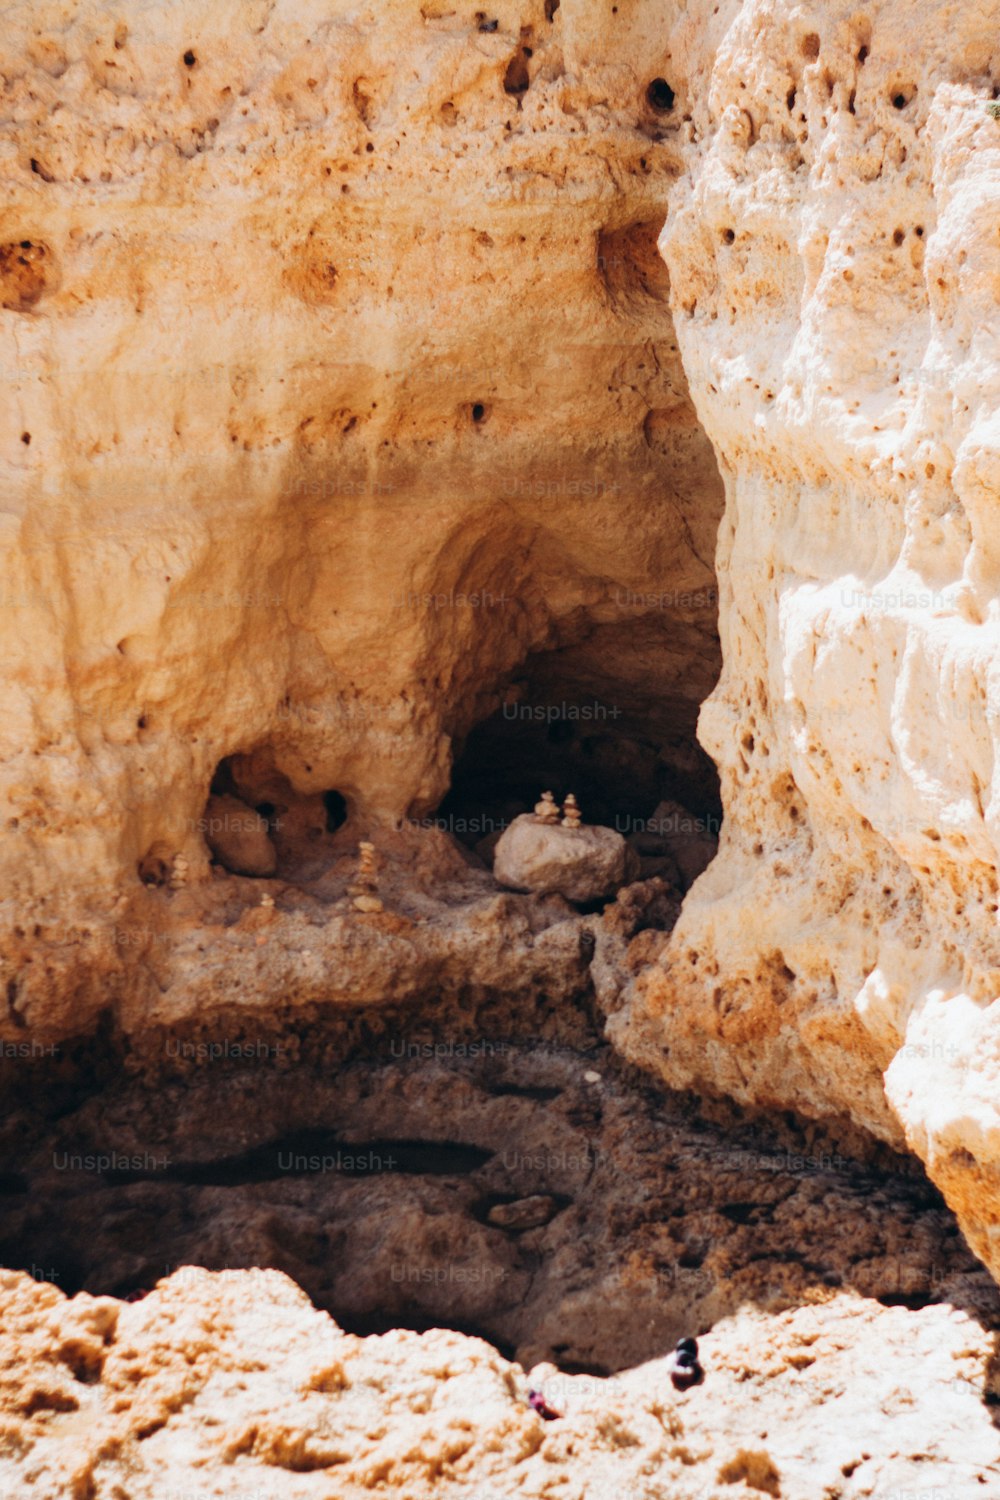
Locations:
581 864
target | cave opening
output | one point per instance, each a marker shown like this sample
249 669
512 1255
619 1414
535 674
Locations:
336 810
257 824
626 747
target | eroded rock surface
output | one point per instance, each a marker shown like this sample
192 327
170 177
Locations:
343 414
532 1194
234 1385
834 261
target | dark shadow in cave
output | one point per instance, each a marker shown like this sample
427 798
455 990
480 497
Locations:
619 774
298 825
627 751
516 1193
336 810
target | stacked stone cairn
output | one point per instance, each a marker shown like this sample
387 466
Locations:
364 889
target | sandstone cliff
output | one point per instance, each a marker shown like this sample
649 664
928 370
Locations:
343 409
340 394
356 423
835 255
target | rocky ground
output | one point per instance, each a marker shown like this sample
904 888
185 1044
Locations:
231 1385
534 1194
364 462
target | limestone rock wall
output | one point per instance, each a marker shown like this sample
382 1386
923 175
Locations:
339 379
834 252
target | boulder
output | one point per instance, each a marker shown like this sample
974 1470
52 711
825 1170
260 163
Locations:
238 837
582 864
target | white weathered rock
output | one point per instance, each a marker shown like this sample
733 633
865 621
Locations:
235 1385
367 903
582 864
835 267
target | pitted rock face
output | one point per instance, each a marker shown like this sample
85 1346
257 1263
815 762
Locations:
583 864
834 263
339 334
392 432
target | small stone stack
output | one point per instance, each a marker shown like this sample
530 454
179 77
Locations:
547 811
365 887
179 873
571 812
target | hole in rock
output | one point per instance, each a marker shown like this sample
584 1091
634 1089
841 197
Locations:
491 1189
660 96
336 810
478 411
189 59
154 867
255 823
577 721
551 6
516 80
24 274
